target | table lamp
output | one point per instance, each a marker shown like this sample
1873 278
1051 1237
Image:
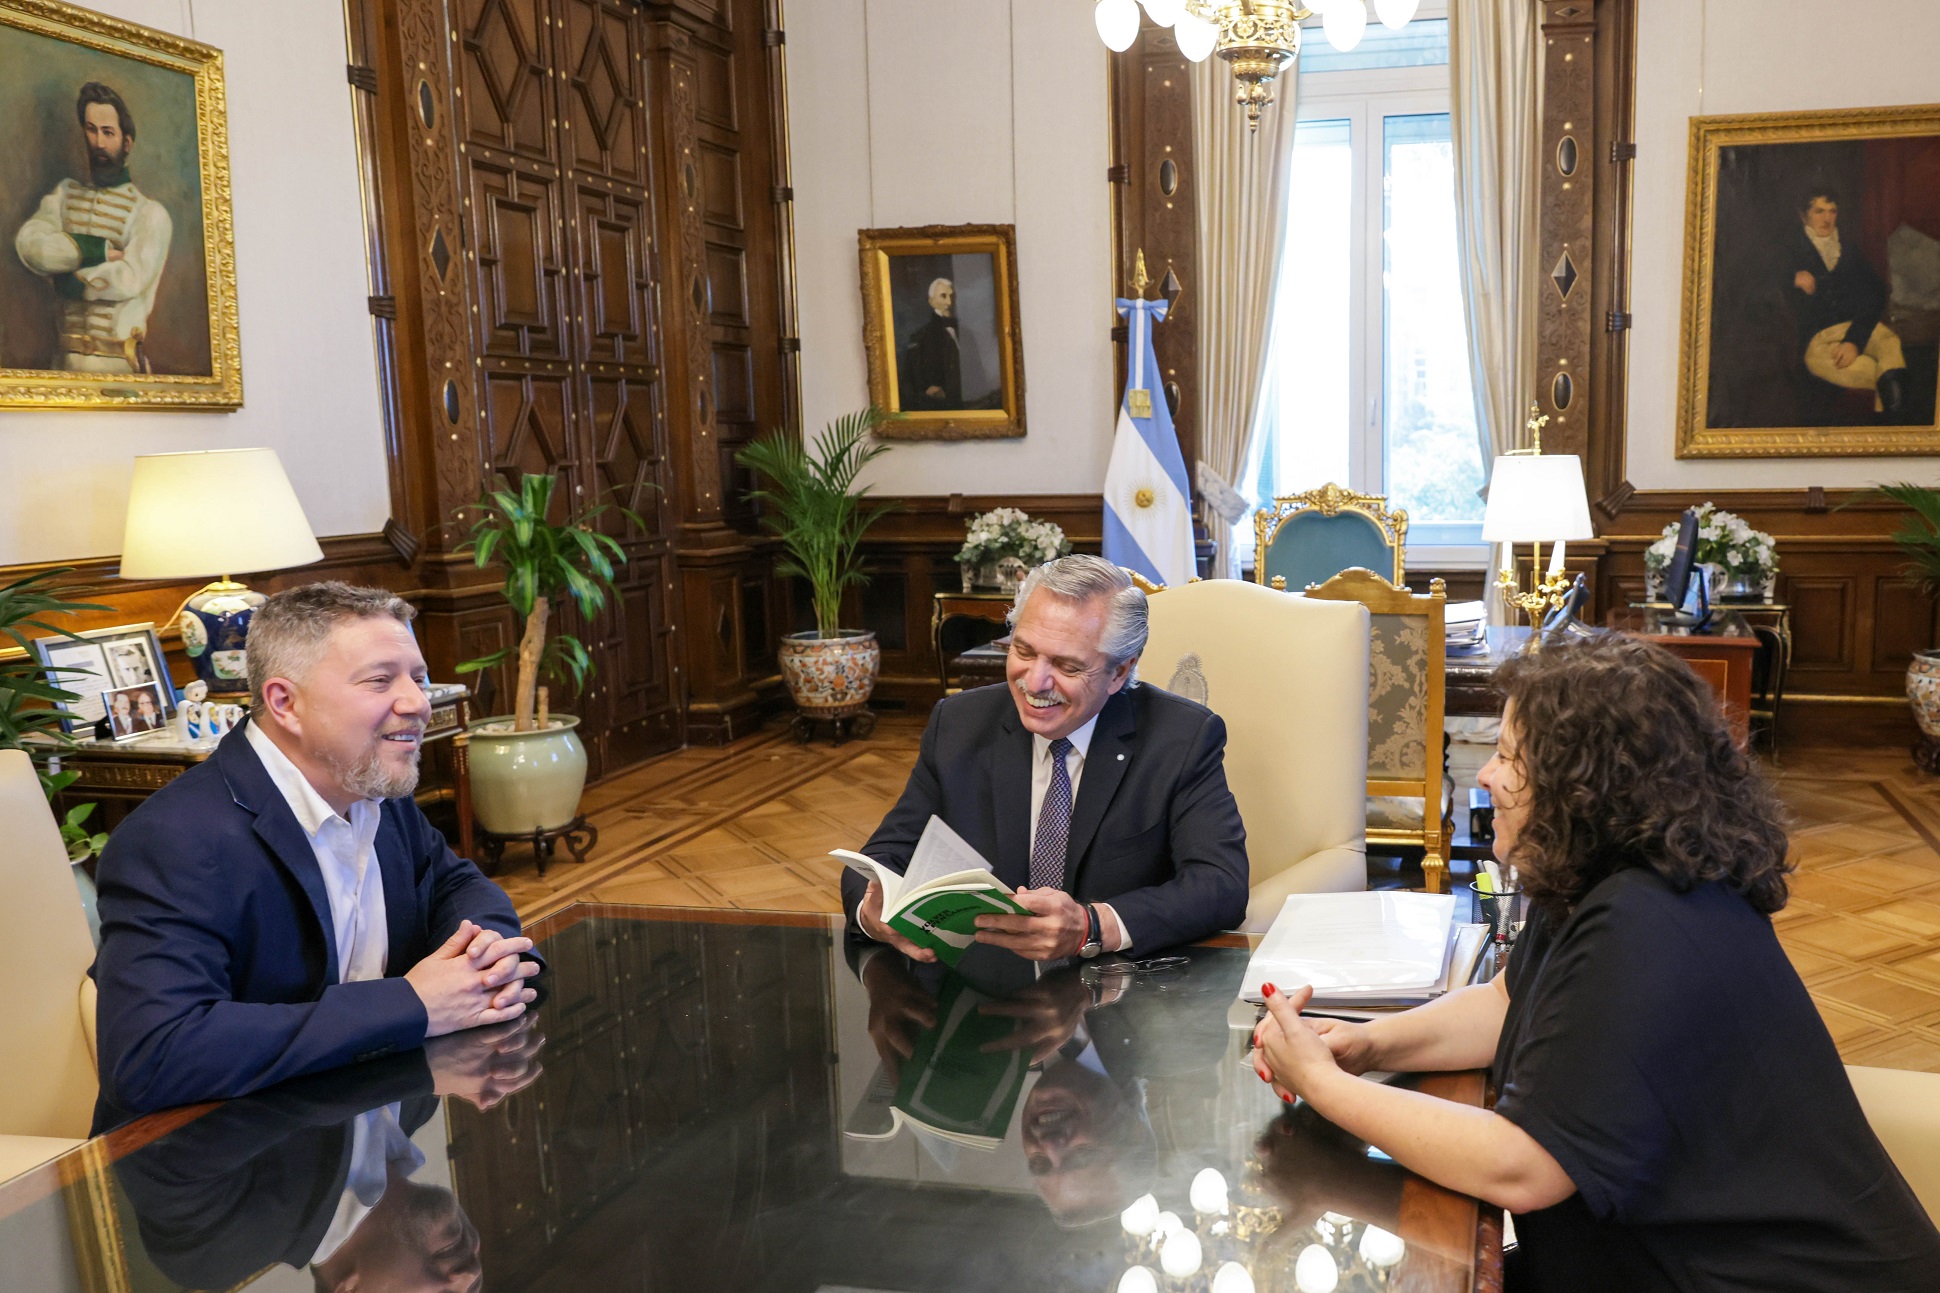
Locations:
1536 497
194 515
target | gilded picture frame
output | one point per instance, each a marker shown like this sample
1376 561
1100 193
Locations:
1811 300
939 323
118 275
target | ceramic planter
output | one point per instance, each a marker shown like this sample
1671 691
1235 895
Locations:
831 677
526 781
1923 689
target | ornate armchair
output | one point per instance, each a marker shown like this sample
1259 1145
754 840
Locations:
1407 791
1289 676
1309 538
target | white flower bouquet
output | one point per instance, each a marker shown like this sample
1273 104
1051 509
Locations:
1008 532
1745 555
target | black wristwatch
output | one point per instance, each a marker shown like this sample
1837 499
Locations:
1094 939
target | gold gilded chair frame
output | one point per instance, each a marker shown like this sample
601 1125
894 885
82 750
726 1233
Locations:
1331 500
1384 598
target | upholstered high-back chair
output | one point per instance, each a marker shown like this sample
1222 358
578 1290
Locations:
1309 538
1407 798
50 1079
1289 676
1904 1110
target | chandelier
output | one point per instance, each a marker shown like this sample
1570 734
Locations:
1259 38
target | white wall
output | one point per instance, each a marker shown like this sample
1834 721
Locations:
1715 57
309 372
914 112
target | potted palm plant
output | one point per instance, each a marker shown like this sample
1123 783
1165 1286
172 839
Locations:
528 767
811 504
1919 538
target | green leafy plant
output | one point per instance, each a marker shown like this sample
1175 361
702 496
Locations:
1919 535
812 505
30 695
544 561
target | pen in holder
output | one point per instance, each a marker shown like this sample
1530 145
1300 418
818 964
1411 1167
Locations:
1503 913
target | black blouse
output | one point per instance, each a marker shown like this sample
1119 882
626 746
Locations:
1661 1047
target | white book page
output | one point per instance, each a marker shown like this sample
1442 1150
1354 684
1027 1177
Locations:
941 854
870 869
1354 942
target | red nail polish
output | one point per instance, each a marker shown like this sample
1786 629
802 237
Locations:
1286 1099
1268 990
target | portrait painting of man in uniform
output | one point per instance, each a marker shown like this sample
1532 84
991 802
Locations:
1812 290
940 324
117 270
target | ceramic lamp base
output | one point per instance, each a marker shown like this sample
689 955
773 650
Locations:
215 633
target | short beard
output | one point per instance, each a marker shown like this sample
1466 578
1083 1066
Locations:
367 778
103 165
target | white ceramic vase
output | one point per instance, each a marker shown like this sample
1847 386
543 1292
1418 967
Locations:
526 781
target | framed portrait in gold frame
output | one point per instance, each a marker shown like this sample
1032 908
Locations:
939 321
118 284
1811 323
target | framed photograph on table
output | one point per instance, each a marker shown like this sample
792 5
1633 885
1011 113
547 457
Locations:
119 286
1812 285
134 711
106 660
939 323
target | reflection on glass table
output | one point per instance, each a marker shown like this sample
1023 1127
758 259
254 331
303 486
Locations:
730 1102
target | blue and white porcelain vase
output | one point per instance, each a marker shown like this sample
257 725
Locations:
215 631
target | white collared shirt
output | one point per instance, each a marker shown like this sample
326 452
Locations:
346 853
377 1141
1074 764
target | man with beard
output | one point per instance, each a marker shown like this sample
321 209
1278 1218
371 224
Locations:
1102 803
285 907
102 244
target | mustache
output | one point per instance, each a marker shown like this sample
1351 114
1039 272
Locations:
1051 694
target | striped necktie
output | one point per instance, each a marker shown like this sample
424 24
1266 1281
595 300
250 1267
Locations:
1053 823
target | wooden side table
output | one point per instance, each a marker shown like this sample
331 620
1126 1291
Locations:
991 607
1722 654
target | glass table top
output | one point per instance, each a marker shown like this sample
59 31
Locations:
724 1101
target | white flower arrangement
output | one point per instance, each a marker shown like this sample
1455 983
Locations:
1724 541
1008 532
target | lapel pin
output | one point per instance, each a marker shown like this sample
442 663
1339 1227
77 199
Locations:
1121 758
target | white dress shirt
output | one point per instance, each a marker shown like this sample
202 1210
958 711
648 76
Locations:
377 1141
347 854
1074 764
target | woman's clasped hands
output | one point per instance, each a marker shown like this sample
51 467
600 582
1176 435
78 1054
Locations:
1293 1054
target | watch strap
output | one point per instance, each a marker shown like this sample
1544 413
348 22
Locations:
1094 935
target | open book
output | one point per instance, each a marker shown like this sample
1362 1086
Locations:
952 1091
935 904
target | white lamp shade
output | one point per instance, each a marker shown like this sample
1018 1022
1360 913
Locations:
1537 499
1345 22
1117 23
173 532
1196 37
1165 12
1395 13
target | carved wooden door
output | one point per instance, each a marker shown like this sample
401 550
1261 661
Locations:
550 111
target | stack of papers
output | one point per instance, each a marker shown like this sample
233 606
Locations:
1467 626
1364 950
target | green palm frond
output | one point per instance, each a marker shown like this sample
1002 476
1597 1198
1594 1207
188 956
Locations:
1919 534
29 692
811 504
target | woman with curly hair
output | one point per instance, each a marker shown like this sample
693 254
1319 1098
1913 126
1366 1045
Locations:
1672 1112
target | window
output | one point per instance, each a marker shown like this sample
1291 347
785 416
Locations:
1368 380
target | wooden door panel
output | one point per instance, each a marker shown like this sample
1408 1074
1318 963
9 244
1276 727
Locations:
529 424
504 66
613 278
519 262
603 89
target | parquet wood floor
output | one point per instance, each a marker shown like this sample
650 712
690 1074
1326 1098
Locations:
750 826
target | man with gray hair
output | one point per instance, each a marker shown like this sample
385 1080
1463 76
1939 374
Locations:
285 907
1102 803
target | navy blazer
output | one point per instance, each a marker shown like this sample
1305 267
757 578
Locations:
218 963
1154 831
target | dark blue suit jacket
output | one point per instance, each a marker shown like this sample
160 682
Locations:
1155 831
218 962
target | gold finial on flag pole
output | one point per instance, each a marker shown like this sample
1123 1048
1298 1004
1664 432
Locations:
1140 279
1537 421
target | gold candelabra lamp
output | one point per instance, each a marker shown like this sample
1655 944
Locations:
1536 498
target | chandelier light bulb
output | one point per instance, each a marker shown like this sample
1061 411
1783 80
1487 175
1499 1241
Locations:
1315 1270
1196 37
1345 22
1117 23
1182 1255
1141 1218
1208 1193
1139 1279
1165 12
1231 1277
1380 1249
1168 1222
1396 13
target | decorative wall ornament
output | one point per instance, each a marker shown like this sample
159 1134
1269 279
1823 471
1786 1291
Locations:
120 289
1811 285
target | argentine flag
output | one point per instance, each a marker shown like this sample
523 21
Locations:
1148 504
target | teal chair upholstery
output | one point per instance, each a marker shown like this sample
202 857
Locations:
1309 538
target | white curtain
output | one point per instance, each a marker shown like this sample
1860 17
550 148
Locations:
1494 81
1241 218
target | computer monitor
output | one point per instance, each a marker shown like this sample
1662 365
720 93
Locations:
1686 584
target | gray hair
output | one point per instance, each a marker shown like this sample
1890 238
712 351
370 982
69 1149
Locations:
940 282
1081 578
288 634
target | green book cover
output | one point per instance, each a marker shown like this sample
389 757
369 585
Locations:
950 1083
946 921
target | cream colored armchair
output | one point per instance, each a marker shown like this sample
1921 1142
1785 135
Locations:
50 1080
1904 1110
1289 676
